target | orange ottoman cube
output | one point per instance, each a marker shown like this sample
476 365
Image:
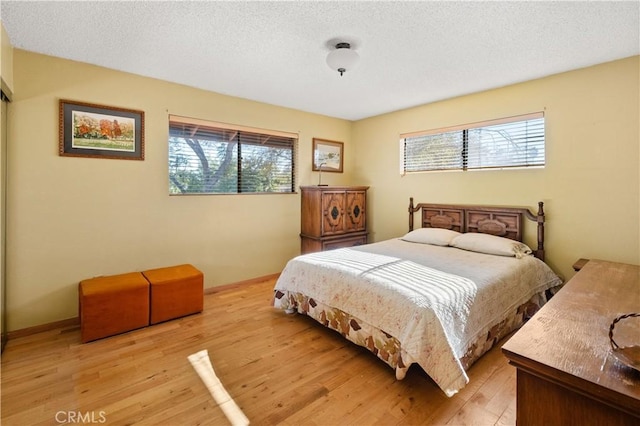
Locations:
113 304
176 291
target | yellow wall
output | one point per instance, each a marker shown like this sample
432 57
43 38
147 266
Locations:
590 185
75 218
6 78
6 58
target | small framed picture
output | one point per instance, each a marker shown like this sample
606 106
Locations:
90 130
327 155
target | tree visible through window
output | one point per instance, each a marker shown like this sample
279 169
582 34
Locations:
511 142
207 158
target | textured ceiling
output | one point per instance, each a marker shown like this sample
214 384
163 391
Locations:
411 52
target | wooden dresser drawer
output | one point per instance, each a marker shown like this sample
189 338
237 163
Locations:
344 242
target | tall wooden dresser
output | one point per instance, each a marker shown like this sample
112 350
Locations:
333 217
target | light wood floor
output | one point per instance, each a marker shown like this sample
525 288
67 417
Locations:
280 369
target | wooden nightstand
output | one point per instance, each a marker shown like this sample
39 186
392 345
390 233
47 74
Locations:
579 264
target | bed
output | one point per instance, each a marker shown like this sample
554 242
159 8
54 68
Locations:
440 296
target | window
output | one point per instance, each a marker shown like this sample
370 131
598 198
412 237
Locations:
208 158
510 142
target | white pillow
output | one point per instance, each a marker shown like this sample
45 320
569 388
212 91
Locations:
435 236
490 244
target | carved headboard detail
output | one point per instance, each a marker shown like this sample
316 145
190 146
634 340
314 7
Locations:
443 218
501 221
494 227
503 224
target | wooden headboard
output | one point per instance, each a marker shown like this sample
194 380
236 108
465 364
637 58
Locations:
501 221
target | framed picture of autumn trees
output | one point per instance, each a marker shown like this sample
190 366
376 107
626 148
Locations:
90 130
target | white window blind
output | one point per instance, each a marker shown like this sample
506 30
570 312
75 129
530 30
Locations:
441 151
511 142
207 157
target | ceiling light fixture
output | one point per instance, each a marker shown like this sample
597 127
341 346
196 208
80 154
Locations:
342 58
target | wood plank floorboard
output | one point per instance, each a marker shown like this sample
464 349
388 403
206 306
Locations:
280 369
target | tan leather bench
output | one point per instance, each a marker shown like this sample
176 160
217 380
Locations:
113 304
175 291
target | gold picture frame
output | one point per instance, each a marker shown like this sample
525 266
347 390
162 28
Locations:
328 156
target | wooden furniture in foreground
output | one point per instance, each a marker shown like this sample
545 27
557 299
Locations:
333 217
175 291
113 304
565 371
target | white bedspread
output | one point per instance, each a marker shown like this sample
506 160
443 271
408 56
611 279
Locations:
434 300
